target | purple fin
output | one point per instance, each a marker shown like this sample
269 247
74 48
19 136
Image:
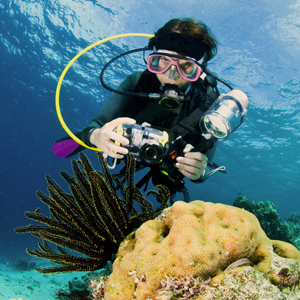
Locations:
65 148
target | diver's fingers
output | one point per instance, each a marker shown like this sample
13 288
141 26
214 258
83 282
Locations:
192 176
197 156
107 132
194 154
145 124
188 148
116 122
191 165
113 154
115 151
112 146
118 139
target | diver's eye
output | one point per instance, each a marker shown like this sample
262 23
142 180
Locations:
165 59
186 65
164 62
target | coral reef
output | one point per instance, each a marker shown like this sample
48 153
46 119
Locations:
195 239
98 288
293 223
23 265
270 221
281 282
83 288
93 219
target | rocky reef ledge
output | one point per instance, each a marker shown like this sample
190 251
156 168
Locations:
201 250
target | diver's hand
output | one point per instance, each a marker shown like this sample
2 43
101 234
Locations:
104 138
193 164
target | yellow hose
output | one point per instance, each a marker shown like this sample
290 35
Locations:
57 105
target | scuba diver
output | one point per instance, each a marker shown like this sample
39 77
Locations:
161 132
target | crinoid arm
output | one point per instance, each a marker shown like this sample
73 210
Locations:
92 219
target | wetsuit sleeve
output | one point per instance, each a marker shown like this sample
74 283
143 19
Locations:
210 154
211 166
117 106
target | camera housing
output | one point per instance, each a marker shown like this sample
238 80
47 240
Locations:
148 145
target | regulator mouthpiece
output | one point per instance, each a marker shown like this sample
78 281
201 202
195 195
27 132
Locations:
224 116
172 96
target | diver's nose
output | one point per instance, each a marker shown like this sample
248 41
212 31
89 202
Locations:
173 73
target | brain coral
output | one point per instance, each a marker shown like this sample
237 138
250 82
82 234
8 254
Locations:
197 239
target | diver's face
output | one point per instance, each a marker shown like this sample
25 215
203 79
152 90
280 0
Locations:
171 76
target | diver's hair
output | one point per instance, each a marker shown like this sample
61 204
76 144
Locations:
196 29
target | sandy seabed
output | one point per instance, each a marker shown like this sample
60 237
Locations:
31 285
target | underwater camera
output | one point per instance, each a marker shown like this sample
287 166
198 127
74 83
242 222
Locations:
148 145
151 146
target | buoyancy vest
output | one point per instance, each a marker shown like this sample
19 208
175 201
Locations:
200 95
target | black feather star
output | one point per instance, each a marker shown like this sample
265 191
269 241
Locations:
93 219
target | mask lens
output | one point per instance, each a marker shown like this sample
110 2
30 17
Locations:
159 63
187 69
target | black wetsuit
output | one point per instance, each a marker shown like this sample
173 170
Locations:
147 110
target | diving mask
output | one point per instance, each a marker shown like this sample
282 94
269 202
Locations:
174 66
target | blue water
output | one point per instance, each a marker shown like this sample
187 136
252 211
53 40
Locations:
259 53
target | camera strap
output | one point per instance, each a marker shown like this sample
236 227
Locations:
187 125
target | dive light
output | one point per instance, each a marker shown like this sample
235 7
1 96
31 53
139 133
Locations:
224 116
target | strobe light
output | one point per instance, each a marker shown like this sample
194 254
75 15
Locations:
224 116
